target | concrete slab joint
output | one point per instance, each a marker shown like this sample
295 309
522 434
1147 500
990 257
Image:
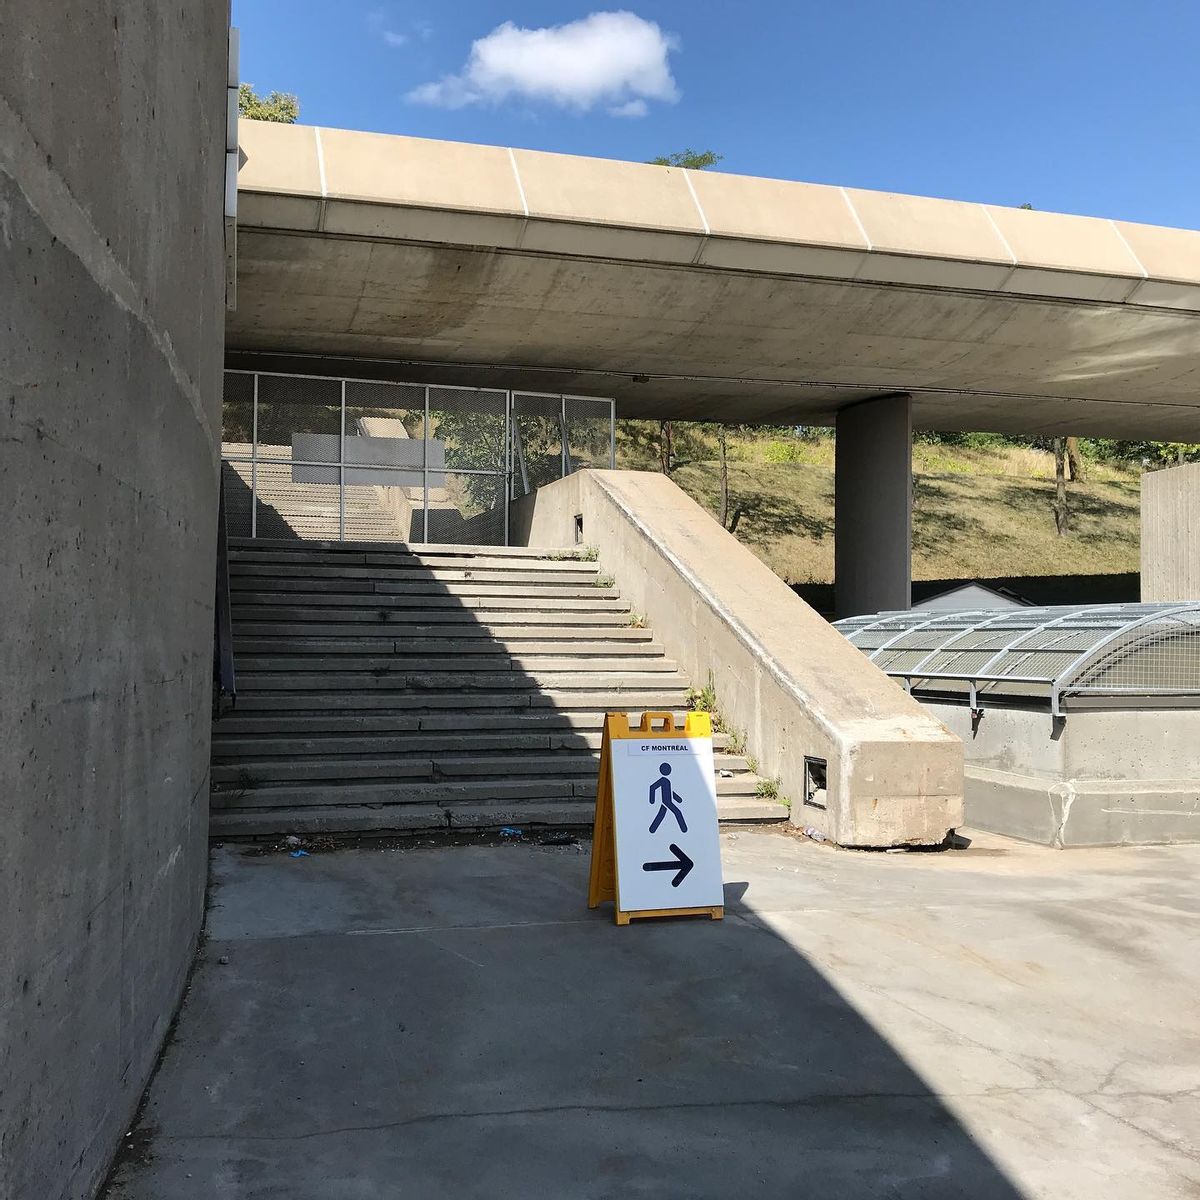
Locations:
799 691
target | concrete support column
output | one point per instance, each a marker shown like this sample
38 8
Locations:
873 506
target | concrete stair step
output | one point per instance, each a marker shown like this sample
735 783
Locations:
247 648
527 814
324 591
446 762
383 553
535 572
411 633
460 665
372 664
632 700
267 745
454 622
250 682
593 599
564 786
449 756
576 724
422 792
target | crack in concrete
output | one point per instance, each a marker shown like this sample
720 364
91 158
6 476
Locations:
786 1105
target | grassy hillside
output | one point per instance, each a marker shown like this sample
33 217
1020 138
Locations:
978 513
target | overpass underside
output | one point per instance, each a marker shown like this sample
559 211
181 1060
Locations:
700 296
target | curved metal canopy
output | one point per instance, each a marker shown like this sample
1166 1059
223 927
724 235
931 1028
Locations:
1130 653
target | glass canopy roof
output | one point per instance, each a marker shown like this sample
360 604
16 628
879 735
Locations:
1134 654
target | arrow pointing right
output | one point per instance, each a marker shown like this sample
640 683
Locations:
680 863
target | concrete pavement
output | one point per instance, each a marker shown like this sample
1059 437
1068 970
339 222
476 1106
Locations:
996 1022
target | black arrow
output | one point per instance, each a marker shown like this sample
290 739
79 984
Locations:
680 863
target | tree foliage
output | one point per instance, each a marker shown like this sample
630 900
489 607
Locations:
693 160
277 106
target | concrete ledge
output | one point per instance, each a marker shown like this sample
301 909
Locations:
791 681
1083 812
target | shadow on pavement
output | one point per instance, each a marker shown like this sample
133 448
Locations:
453 1022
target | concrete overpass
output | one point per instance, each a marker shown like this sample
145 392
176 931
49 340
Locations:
705 296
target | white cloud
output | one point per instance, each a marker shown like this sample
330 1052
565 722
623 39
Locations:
616 59
377 23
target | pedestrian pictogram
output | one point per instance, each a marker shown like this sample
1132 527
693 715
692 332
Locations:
662 794
655 848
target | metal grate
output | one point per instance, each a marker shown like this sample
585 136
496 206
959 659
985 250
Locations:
1131 652
356 460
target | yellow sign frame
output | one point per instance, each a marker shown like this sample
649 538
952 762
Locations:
602 880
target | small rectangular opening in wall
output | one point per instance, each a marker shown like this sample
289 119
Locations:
579 529
814 782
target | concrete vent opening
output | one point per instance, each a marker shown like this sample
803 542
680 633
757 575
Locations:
814 782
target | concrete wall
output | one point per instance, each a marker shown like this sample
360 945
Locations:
112 128
1101 777
1171 534
781 672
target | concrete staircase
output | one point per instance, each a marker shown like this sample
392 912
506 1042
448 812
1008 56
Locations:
385 687
287 509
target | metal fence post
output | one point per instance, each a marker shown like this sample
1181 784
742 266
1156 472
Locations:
342 470
425 470
507 480
254 461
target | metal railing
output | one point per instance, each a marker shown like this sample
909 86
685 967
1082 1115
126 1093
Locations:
224 678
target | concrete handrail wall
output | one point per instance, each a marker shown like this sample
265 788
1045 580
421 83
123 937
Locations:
894 774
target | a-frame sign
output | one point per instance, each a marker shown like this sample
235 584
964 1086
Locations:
655 848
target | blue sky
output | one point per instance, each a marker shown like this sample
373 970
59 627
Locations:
1083 106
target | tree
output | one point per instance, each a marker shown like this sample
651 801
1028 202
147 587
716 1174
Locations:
666 448
1075 461
278 106
693 160
721 443
1062 514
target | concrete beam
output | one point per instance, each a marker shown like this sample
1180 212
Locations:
873 507
799 690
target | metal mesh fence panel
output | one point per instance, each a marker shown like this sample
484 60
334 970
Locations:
235 481
394 461
466 428
589 432
468 510
537 441
237 413
290 509
299 418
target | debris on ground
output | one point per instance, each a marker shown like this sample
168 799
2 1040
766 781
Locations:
299 854
510 831
812 832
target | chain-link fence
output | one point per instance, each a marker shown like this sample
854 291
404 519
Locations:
360 460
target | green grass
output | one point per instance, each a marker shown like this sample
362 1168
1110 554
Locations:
982 513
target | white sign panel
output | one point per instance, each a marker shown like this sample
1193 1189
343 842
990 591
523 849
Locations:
665 812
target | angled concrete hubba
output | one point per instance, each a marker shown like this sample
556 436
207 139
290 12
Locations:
804 696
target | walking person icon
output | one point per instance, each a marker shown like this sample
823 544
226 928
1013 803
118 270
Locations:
662 795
